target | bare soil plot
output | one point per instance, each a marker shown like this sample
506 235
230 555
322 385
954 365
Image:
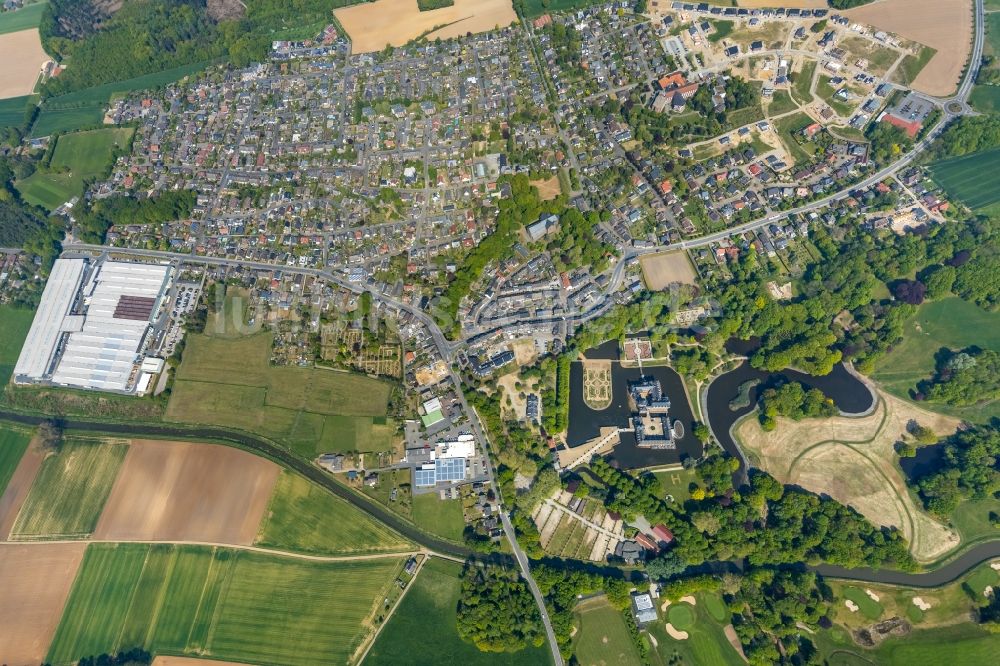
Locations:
525 351
662 270
853 460
548 189
179 491
191 661
17 488
22 56
36 580
372 26
945 25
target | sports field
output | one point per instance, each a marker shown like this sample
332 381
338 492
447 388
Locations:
231 605
14 325
78 158
423 628
602 637
950 323
27 17
305 518
70 490
230 382
970 178
441 517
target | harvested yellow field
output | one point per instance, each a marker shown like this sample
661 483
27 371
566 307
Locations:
667 268
548 189
22 56
795 4
853 460
372 26
945 25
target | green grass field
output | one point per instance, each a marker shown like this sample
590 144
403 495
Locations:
230 382
781 102
949 322
13 444
85 108
220 603
970 178
828 92
441 517
77 159
786 128
985 99
13 109
303 517
706 643
14 325
681 616
69 492
722 30
803 82
867 606
603 637
910 66
422 631
959 645
23 19
677 483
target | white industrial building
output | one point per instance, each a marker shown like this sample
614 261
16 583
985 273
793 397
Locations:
92 324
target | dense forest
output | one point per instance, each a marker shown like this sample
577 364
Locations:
104 43
21 224
94 220
497 611
968 470
793 401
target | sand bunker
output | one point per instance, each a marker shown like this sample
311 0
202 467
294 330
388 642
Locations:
676 634
921 604
871 595
851 606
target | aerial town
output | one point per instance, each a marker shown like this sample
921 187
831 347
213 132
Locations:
605 313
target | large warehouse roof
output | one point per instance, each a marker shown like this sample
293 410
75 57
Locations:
57 301
102 350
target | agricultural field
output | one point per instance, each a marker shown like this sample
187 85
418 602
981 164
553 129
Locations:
13 444
70 490
659 271
303 517
950 323
36 580
970 178
13 110
85 108
985 99
23 57
441 517
23 19
564 533
78 158
374 25
180 491
602 637
409 637
706 642
230 382
945 26
853 460
221 603
14 326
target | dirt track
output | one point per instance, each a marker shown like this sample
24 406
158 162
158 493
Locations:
371 26
36 581
191 661
18 487
945 25
22 56
179 491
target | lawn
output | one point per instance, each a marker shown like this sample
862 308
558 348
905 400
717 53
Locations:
722 30
14 326
803 82
970 178
786 128
220 603
958 645
230 382
706 643
303 517
828 94
603 637
972 520
85 108
78 158
867 606
781 102
677 483
13 444
69 492
13 110
422 631
23 19
985 99
441 517
949 322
